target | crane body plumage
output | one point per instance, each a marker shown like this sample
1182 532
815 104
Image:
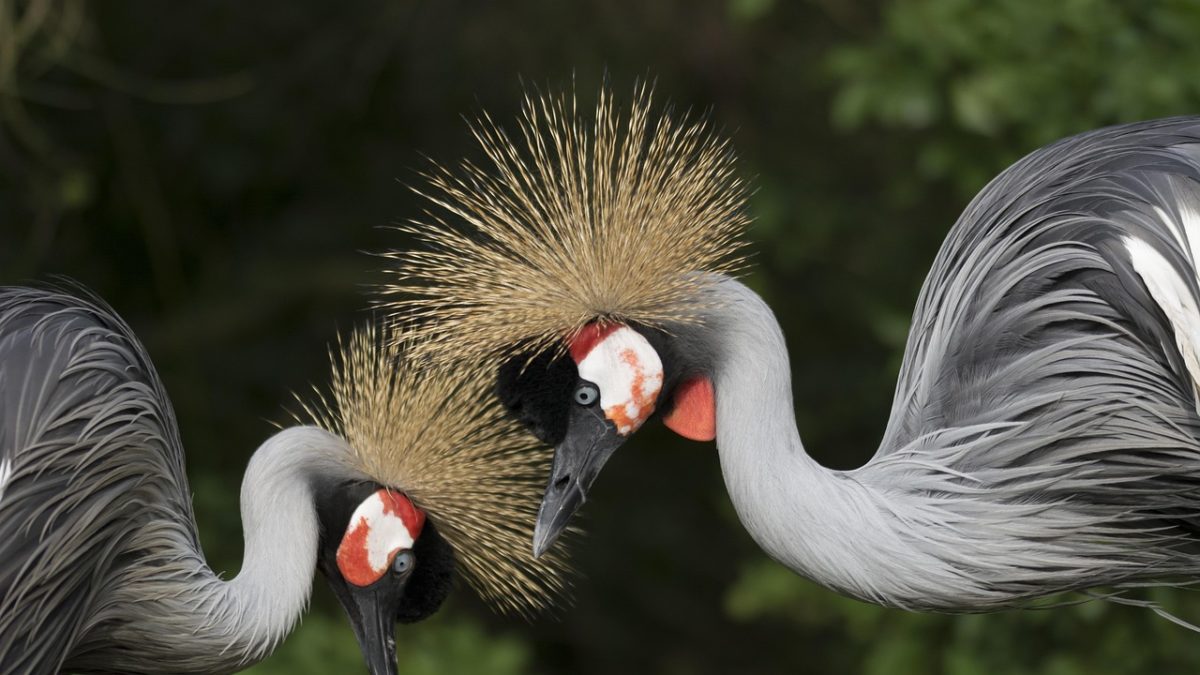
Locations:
96 516
101 569
1044 434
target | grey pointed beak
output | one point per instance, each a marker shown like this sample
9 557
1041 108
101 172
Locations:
372 611
562 499
591 440
375 629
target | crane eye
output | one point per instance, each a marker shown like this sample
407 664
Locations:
403 562
587 394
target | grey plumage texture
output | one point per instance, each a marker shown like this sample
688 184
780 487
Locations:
100 568
1044 434
95 471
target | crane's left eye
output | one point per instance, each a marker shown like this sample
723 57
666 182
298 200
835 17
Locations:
586 394
403 562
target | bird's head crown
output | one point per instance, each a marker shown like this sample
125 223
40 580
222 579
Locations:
573 219
437 435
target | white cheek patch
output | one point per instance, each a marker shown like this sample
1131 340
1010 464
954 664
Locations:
382 526
629 374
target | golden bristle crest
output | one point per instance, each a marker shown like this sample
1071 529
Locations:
572 220
438 435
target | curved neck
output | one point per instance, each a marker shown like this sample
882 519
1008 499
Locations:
281 532
231 624
823 524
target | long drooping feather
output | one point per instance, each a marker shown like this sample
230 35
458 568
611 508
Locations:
438 435
572 220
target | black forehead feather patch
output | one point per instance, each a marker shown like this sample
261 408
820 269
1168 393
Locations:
536 390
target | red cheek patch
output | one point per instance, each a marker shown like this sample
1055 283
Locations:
396 504
694 415
352 557
383 525
588 337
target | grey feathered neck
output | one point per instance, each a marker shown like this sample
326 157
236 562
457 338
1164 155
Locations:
1052 489
190 620
100 568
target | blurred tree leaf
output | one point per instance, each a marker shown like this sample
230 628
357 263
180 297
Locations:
1015 74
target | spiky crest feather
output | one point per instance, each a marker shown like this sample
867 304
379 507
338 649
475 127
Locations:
573 220
438 435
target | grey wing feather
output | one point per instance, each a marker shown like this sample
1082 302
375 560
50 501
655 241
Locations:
89 453
1036 277
1048 395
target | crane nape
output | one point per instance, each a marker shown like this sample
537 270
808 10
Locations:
398 479
1044 435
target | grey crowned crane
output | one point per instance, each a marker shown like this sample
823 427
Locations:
388 486
1044 435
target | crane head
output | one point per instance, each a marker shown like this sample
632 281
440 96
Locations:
389 565
435 436
627 214
590 400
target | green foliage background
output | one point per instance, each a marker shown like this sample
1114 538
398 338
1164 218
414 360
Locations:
215 169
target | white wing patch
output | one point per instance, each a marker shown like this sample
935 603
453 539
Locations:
5 474
1173 296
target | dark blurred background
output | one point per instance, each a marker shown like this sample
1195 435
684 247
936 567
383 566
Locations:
218 171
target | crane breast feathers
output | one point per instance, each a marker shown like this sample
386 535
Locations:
1077 262
580 218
